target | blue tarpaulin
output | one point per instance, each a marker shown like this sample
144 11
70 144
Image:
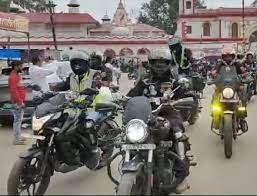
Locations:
12 54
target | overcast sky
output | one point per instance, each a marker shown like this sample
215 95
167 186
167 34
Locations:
97 8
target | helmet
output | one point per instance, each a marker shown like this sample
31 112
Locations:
228 54
95 61
228 50
157 54
79 62
174 41
160 60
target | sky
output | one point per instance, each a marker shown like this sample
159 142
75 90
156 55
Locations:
97 8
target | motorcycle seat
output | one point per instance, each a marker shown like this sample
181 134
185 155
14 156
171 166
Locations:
105 107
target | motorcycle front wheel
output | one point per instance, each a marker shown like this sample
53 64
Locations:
228 135
24 178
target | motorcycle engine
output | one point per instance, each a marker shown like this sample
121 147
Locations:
164 174
161 129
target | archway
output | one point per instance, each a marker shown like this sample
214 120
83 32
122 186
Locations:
143 51
234 30
126 52
109 53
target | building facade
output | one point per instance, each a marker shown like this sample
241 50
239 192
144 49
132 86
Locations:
116 37
210 29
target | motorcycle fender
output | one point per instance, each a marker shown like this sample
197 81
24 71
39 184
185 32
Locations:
132 166
228 112
31 153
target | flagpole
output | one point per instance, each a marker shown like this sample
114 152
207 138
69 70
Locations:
243 17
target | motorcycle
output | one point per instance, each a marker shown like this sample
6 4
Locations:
66 139
228 113
250 86
154 152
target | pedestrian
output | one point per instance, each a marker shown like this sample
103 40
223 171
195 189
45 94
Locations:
17 91
39 76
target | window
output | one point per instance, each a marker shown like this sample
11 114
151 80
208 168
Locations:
206 29
234 30
188 5
189 29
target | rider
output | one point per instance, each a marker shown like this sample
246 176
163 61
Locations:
82 76
230 67
160 72
251 67
79 81
182 57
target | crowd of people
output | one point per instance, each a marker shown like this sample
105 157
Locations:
108 70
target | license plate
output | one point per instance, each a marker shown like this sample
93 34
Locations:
35 137
138 147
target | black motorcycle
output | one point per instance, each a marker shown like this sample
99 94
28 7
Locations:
229 108
65 141
154 153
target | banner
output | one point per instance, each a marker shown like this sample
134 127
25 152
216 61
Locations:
12 54
13 22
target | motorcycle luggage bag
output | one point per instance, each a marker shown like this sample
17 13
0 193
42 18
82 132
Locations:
137 108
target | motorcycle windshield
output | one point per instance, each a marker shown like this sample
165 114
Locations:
227 77
137 108
50 106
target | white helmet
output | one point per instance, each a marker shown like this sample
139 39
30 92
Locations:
79 55
158 54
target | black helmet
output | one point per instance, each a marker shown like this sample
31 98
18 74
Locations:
79 62
95 61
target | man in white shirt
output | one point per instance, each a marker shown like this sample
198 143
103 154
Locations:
111 71
39 75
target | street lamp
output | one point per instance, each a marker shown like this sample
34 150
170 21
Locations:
50 5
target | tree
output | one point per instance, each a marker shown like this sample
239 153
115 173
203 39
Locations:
31 5
162 14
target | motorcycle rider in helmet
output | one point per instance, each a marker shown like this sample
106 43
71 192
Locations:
182 57
228 67
81 81
160 71
250 66
82 76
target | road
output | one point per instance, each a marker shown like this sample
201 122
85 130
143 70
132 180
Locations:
213 175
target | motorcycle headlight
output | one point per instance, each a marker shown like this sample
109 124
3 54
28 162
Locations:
37 124
228 93
136 131
185 82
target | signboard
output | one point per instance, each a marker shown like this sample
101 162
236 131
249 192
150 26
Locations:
14 22
12 54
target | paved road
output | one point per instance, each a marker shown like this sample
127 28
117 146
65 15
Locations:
213 175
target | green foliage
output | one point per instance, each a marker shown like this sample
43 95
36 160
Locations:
162 14
31 5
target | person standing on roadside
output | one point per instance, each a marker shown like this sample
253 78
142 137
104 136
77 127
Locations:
39 76
17 91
